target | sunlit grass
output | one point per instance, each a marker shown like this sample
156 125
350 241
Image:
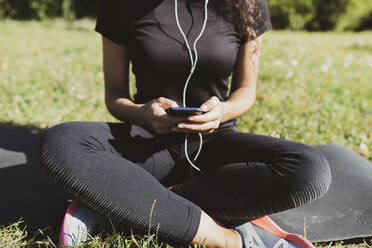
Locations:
50 74
17 235
314 87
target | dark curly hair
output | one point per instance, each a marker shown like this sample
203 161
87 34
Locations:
242 13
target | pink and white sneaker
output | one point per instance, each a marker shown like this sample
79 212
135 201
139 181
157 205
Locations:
264 233
79 224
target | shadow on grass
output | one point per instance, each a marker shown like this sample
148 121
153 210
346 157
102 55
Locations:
26 193
14 126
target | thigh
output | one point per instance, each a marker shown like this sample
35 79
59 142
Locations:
147 150
257 161
232 146
249 175
72 140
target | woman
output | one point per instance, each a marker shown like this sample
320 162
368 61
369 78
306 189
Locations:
127 171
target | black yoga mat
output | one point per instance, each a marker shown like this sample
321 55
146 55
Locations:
25 192
344 212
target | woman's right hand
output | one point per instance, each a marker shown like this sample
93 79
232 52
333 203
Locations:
155 117
150 115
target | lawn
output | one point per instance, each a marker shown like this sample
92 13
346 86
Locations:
313 87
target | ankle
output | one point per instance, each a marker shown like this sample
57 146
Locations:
238 242
213 234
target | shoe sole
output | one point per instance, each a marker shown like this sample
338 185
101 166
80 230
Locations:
270 226
63 237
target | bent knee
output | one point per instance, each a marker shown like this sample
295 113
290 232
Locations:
64 132
57 143
313 173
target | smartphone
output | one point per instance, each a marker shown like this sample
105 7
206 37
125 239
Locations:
182 111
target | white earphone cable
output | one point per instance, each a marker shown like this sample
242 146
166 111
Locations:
193 66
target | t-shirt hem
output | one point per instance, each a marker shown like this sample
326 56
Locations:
259 32
110 37
263 30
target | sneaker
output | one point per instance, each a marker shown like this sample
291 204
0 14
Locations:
264 233
79 224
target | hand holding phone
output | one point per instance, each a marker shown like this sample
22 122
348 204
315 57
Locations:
208 119
183 111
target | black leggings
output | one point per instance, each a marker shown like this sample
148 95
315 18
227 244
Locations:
122 171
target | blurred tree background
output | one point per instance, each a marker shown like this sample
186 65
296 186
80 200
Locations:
311 15
43 9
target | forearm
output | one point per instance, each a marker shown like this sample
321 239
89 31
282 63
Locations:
216 112
243 93
239 103
151 115
121 107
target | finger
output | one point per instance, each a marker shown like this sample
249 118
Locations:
173 120
207 117
210 104
159 110
167 103
190 127
164 130
182 130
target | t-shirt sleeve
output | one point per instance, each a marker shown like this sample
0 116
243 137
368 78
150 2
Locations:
112 21
262 22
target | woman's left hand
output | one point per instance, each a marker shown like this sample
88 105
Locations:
207 122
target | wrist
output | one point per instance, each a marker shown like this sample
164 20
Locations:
126 110
135 113
141 112
224 112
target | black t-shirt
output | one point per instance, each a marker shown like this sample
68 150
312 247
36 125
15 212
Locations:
157 51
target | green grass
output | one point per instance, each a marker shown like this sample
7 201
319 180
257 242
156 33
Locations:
17 235
313 87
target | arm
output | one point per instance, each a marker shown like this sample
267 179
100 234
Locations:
243 85
242 97
151 115
116 77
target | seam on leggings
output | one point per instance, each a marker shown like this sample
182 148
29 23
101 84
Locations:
297 198
194 226
58 175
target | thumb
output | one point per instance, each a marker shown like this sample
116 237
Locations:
210 104
167 103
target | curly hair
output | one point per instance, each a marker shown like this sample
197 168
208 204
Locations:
242 13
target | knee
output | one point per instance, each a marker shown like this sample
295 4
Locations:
313 173
56 144
63 132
